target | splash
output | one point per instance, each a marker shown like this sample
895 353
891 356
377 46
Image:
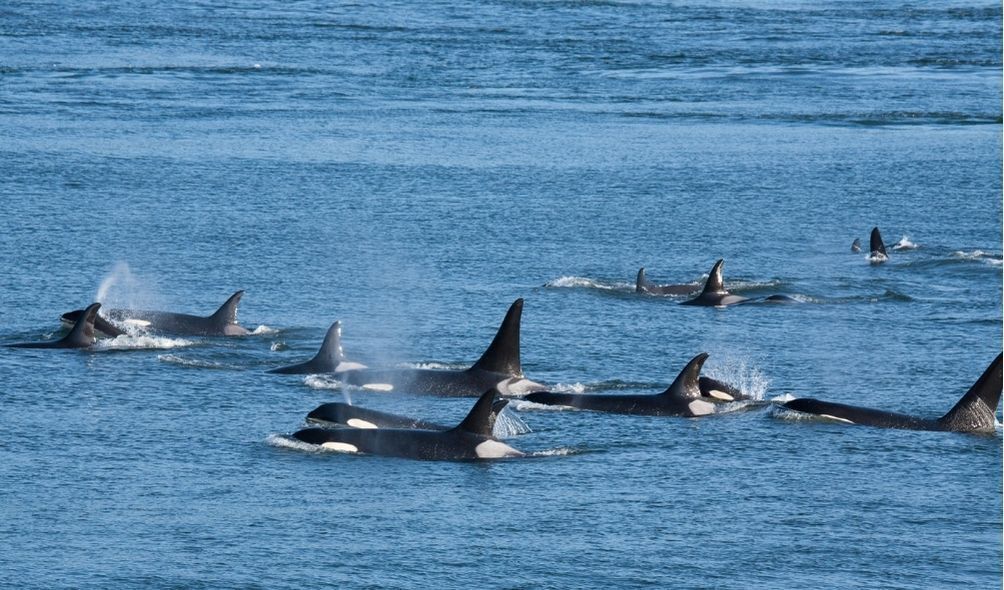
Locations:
508 424
140 342
572 282
121 288
283 441
904 243
263 329
741 373
279 346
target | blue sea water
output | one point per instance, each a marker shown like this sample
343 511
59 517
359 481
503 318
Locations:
411 168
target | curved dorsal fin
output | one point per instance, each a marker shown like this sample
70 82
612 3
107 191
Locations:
715 283
502 355
877 245
687 383
641 284
976 411
82 334
227 313
481 419
330 354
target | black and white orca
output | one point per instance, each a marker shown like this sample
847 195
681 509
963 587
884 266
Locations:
721 391
81 336
643 285
471 439
342 414
499 367
974 413
877 253
682 398
221 323
329 359
714 293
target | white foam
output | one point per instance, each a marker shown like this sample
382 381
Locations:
904 243
278 346
288 442
263 329
321 382
585 282
559 452
130 342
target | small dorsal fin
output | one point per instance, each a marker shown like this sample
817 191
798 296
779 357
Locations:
856 245
481 419
227 313
82 334
687 384
715 283
642 284
976 411
502 355
877 245
330 354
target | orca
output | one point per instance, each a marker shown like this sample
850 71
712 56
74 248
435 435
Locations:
974 413
878 254
856 245
329 359
221 323
342 414
714 293
81 336
471 439
498 367
721 391
682 398
643 285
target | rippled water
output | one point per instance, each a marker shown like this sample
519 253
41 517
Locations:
411 169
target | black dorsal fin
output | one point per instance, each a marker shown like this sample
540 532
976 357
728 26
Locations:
715 283
976 410
877 245
227 313
642 284
330 354
687 383
502 355
481 418
82 334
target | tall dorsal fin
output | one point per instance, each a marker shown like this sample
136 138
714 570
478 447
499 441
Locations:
481 419
715 283
877 245
976 411
641 284
330 354
82 334
502 355
687 383
227 313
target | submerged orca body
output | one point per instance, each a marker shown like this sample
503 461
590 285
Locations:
877 253
342 414
499 367
714 293
973 413
643 285
221 323
682 398
81 336
856 245
472 439
329 359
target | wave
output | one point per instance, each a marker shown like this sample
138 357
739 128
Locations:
198 363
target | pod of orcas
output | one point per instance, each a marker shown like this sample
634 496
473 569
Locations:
498 373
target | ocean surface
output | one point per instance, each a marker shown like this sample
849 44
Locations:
412 168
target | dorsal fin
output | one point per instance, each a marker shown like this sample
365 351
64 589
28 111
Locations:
976 411
641 284
82 334
481 419
856 245
227 313
330 354
715 283
877 245
687 384
502 355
